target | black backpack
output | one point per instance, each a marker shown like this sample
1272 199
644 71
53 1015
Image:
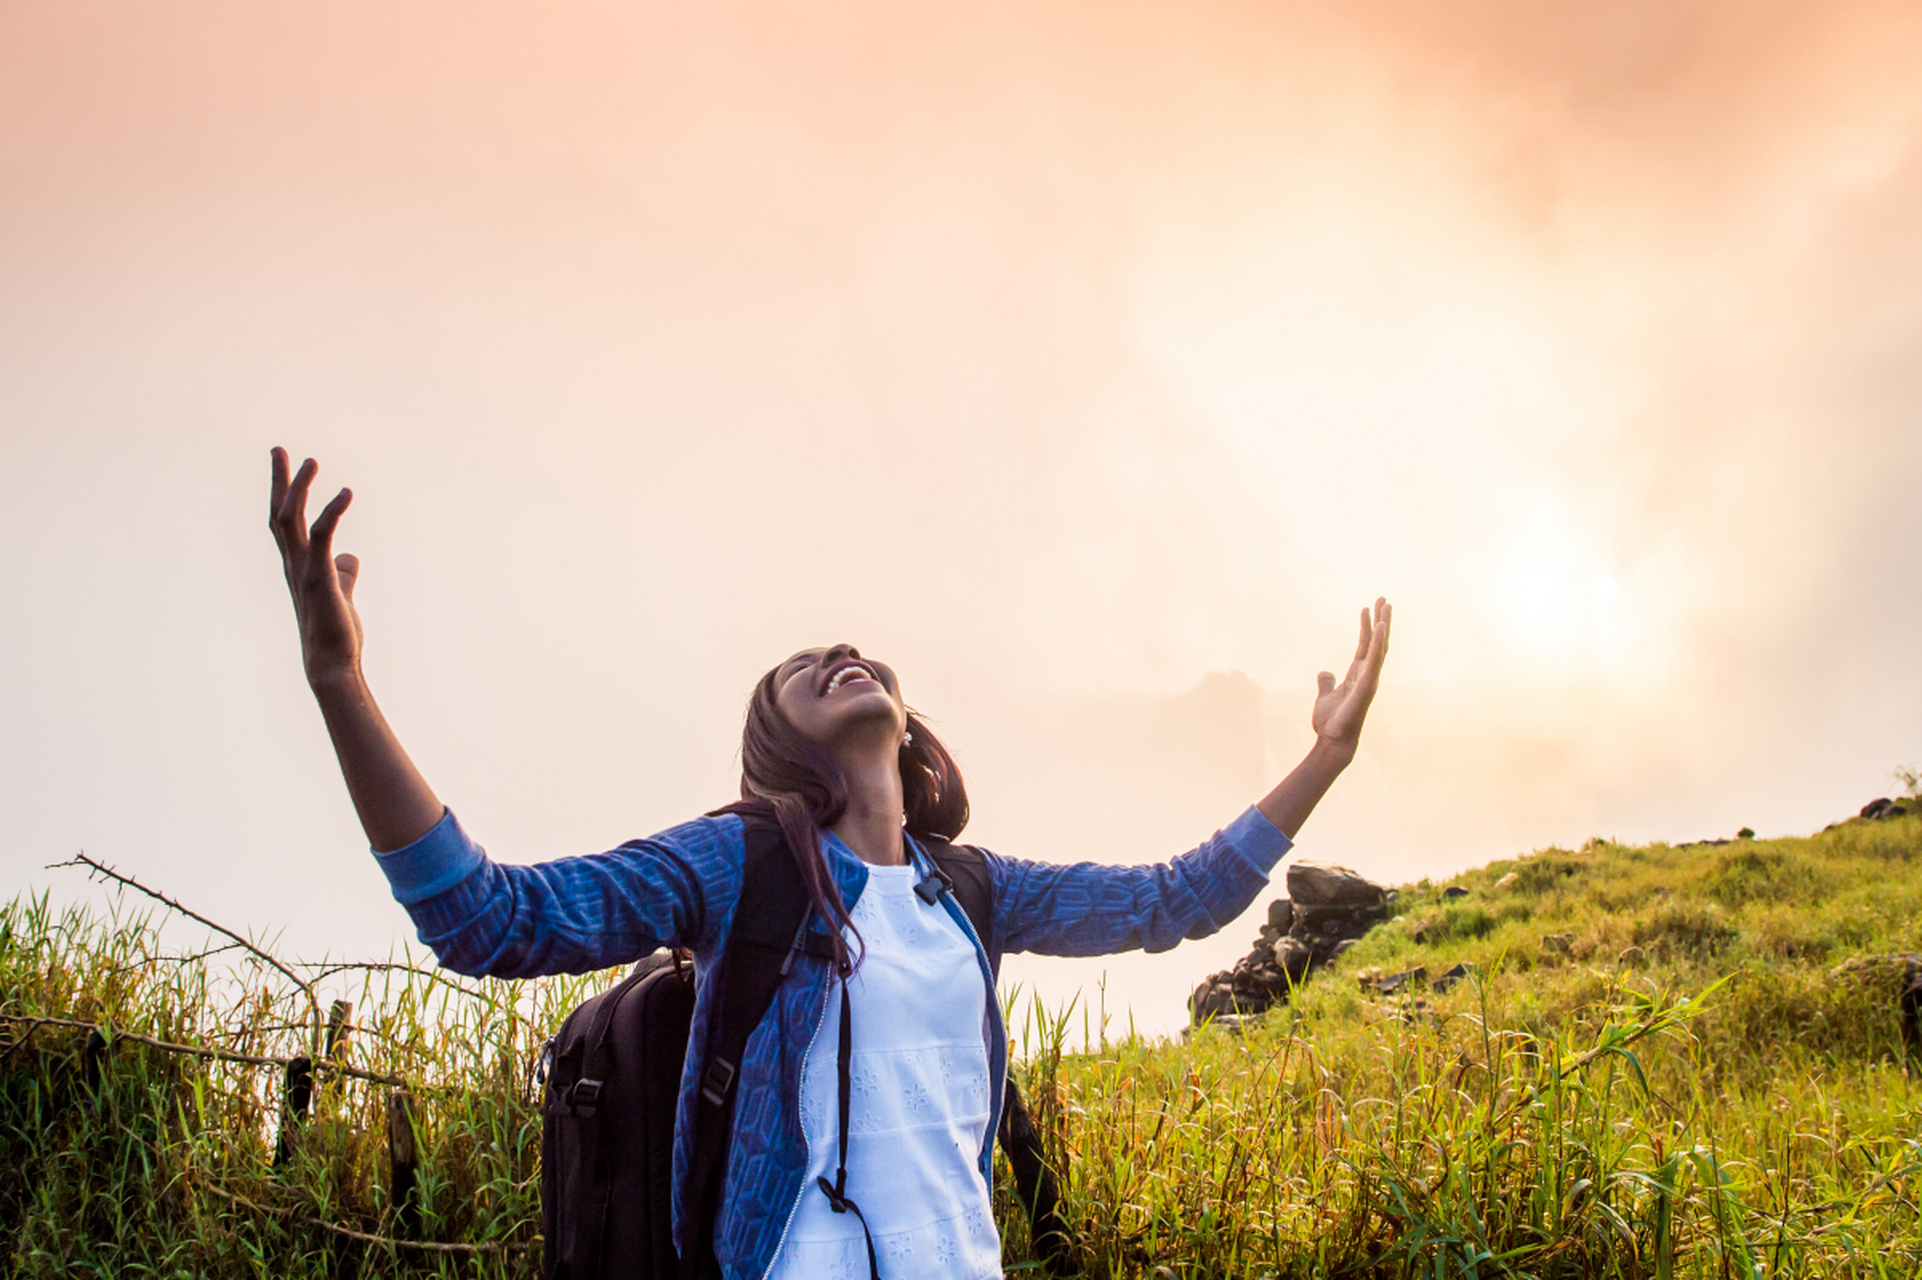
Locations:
613 1076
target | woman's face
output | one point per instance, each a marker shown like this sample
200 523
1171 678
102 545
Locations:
833 695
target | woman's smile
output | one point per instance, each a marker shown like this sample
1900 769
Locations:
848 672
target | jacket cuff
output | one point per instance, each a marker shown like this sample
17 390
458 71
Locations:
1257 839
433 864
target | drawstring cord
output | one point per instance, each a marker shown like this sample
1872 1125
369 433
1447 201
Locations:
837 1191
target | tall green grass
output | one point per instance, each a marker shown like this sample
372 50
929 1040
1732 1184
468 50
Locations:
1679 1088
151 1162
1684 1090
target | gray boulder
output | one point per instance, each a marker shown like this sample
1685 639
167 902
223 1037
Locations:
1315 884
1293 957
1326 911
1389 983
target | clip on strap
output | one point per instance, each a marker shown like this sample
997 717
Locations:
837 1191
717 1080
583 1098
930 888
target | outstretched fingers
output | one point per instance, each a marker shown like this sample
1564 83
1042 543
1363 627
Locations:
286 534
307 554
290 503
1374 645
277 490
321 539
1358 664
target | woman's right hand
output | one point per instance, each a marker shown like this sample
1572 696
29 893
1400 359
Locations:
395 804
322 583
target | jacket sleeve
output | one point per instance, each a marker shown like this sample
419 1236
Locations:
572 915
1087 909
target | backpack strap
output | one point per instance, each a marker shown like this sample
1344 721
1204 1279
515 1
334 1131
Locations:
965 868
770 928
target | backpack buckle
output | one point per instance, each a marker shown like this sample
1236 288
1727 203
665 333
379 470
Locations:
717 1080
584 1097
931 886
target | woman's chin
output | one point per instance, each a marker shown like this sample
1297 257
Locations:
865 724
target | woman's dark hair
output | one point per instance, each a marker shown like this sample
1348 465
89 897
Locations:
789 777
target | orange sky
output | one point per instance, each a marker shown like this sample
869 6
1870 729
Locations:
1060 354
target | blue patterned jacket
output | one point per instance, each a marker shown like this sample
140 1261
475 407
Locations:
679 889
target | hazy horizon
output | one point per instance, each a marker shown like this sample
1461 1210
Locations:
1068 357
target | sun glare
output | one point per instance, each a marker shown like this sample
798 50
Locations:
1556 599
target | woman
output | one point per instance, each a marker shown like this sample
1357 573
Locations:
857 783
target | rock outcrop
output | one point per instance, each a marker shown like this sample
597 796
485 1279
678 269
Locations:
1881 809
1326 910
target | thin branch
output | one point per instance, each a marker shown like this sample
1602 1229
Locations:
82 860
141 964
388 966
424 1246
112 1035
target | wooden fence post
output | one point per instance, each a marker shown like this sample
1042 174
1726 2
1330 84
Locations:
293 1111
91 1057
339 1032
299 1096
404 1161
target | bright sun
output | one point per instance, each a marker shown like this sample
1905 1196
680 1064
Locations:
1556 598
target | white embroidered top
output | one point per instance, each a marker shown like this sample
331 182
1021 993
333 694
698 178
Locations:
919 1103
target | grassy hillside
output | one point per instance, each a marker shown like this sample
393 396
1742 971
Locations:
1674 1085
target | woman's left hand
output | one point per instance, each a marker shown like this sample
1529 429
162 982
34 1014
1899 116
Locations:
1341 708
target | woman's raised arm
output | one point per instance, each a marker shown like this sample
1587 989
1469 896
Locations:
395 804
1089 909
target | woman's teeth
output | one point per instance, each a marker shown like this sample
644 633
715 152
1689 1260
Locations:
849 673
